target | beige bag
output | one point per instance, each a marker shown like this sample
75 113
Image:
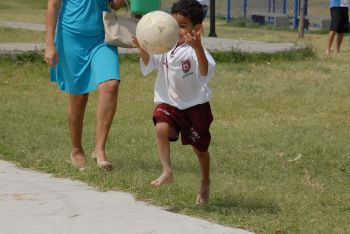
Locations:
119 29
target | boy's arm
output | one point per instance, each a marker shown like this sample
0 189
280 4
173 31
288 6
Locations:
194 40
143 54
202 60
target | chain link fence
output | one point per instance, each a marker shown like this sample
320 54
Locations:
280 13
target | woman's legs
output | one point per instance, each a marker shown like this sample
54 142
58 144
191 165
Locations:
75 116
106 108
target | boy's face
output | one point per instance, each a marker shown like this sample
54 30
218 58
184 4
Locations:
185 26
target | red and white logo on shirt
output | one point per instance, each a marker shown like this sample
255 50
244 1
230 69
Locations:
186 66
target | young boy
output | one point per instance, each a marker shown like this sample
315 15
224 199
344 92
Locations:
182 94
339 23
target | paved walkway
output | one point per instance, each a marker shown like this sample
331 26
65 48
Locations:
211 43
36 203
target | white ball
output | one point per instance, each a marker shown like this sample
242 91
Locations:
157 32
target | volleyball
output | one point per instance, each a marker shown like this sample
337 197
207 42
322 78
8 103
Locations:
157 32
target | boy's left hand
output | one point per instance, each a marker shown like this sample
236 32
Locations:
194 39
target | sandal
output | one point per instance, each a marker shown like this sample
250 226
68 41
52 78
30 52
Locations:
103 164
79 164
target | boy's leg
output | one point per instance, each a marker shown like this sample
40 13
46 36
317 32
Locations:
106 108
339 41
163 131
204 191
75 116
331 35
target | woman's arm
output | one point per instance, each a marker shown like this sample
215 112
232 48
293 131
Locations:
53 7
116 4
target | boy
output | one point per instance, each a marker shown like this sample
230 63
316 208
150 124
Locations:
339 23
182 94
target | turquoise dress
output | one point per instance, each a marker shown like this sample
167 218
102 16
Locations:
84 59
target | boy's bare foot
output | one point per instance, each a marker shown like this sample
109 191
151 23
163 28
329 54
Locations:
163 179
203 195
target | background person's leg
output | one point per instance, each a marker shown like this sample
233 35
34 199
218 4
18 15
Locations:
340 37
331 35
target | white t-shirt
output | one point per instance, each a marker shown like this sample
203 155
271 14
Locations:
204 2
178 81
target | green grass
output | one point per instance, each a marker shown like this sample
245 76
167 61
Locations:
21 35
266 114
32 11
280 147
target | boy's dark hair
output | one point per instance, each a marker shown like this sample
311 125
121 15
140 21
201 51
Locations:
191 9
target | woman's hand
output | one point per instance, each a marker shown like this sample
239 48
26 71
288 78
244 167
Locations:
51 55
117 4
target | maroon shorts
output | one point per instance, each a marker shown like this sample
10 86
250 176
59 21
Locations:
193 123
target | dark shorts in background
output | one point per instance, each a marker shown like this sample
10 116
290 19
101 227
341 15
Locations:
339 19
193 123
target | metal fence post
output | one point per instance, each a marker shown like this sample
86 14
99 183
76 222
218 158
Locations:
228 19
245 8
212 19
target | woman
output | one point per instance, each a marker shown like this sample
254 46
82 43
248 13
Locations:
81 62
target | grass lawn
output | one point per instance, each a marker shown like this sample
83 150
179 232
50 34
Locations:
280 147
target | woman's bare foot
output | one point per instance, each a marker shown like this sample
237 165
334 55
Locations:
203 195
165 178
329 52
78 160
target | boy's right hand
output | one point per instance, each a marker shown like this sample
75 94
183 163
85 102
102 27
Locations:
136 42
143 53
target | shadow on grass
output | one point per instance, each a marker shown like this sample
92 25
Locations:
233 204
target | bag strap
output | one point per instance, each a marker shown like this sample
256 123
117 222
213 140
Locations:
127 4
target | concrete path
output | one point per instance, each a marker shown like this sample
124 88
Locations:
211 43
22 25
36 203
